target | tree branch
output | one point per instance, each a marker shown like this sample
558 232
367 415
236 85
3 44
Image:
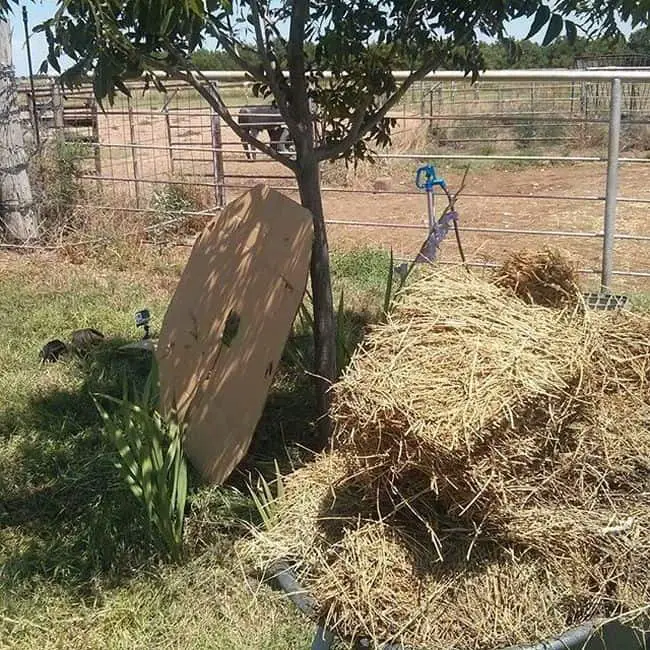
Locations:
229 46
355 133
274 28
296 63
262 47
275 78
207 91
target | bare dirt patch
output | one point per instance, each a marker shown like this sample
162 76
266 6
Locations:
499 196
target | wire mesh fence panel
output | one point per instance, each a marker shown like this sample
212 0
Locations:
537 151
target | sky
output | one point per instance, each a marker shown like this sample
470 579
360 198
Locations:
43 9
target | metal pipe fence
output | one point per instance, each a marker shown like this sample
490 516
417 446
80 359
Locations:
554 155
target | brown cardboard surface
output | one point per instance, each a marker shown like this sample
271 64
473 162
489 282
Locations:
249 265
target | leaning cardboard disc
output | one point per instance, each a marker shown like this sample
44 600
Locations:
224 332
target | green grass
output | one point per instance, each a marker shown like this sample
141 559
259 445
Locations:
77 567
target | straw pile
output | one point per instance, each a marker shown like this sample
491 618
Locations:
490 478
543 277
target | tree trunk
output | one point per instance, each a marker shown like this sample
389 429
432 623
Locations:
16 210
324 322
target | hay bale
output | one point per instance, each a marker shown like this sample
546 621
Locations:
490 481
459 363
383 580
309 495
545 277
380 576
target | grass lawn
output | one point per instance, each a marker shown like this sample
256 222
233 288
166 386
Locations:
77 568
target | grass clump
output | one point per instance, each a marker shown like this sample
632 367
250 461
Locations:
74 542
151 460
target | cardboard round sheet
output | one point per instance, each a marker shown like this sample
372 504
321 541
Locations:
224 332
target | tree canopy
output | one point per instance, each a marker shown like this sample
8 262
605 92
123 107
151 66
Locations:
358 41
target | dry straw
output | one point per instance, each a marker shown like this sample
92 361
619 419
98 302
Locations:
543 277
490 482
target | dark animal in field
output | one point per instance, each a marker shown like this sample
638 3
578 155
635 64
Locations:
82 340
52 351
255 119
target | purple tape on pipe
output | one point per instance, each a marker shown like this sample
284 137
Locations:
429 249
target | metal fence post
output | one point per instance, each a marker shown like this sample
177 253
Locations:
612 184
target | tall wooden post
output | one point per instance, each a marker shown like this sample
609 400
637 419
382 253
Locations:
57 111
134 153
95 119
217 161
17 216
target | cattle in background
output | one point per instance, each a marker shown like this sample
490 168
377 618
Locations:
255 119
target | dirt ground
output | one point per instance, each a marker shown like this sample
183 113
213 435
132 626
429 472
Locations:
507 196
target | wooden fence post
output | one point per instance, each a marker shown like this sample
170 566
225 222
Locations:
217 161
134 153
532 97
98 154
18 218
168 128
57 111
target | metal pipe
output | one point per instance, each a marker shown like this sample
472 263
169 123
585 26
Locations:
500 231
612 184
558 120
421 156
625 74
431 209
31 77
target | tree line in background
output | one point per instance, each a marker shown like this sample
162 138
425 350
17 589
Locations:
518 55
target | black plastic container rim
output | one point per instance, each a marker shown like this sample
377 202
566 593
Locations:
573 638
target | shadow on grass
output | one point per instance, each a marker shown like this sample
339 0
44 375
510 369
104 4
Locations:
75 517
74 520
69 516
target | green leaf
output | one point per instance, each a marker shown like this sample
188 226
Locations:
554 29
122 87
278 480
541 18
52 60
181 492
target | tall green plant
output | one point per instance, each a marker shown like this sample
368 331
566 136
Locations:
305 320
150 460
346 338
265 502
